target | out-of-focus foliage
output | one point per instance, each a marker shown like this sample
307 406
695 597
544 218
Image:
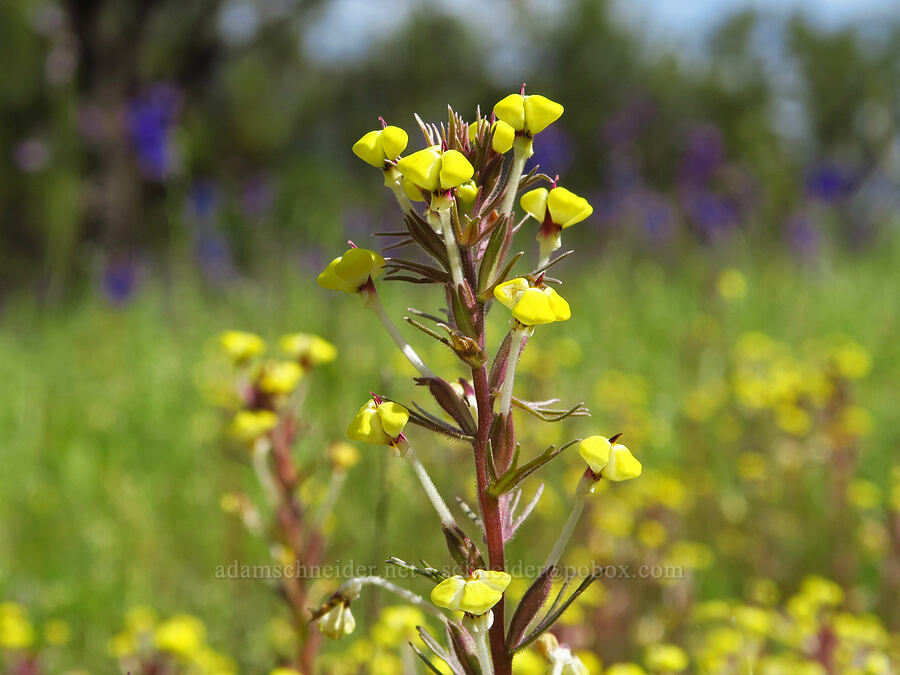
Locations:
140 133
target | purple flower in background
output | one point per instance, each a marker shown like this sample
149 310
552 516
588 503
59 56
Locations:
202 201
554 151
119 281
658 216
802 235
150 120
710 213
213 254
704 155
31 155
258 197
624 127
828 182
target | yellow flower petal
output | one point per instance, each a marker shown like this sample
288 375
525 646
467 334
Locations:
504 136
455 169
467 192
595 451
509 291
475 595
368 149
393 418
558 305
535 203
478 598
351 271
423 168
411 190
393 141
534 308
540 112
448 593
622 464
241 346
511 110
496 579
280 377
366 426
567 208
309 349
248 425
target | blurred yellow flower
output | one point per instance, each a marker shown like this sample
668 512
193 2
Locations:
532 305
57 632
731 284
666 658
309 350
241 346
280 377
396 625
352 271
248 425
182 634
16 631
474 594
337 622
343 456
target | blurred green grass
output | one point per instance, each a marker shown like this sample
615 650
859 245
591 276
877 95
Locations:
112 470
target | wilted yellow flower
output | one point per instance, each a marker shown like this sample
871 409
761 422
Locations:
309 350
352 271
610 461
731 284
182 634
529 114
474 594
436 170
241 346
378 423
532 305
337 622
248 425
381 145
666 658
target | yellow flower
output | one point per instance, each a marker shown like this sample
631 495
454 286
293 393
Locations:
248 425
397 625
528 114
610 461
182 634
527 662
502 140
565 208
343 456
731 284
337 622
16 631
624 669
280 377
475 594
532 305
284 671
378 423
379 146
121 645
436 170
309 350
241 346
351 271
411 190
666 658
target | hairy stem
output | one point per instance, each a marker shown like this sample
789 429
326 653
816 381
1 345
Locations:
446 229
373 302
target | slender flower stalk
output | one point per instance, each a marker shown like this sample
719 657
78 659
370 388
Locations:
393 179
427 484
518 335
335 485
260 459
581 493
451 246
409 596
373 302
521 153
483 651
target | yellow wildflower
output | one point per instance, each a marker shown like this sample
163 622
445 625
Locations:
309 350
503 135
381 145
337 622
532 305
241 346
436 170
182 634
528 114
352 271
666 658
378 423
474 594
